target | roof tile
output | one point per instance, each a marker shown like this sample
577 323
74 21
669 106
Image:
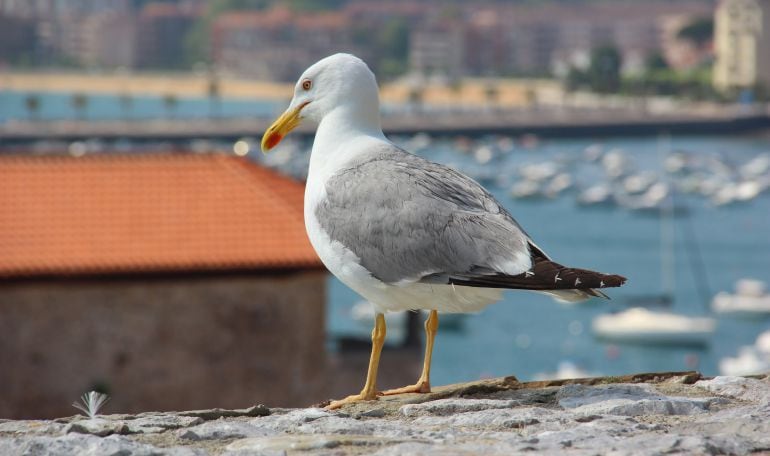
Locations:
137 213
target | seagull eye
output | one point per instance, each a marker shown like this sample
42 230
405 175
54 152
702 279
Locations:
306 84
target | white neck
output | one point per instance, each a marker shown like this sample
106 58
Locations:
337 136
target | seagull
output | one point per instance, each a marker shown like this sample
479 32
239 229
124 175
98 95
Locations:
403 232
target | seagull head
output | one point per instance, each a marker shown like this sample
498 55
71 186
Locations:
340 86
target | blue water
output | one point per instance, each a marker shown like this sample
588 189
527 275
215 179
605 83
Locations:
58 106
527 333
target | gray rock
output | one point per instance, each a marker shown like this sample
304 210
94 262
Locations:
216 413
628 400
282 443
668 444
653 406
493 418
149 424
86 444
573 396
747 389
749 422
598 433
377 412
34 427
488 448
338 425
97 426
222 429
288 421
600 419
455 405
295 416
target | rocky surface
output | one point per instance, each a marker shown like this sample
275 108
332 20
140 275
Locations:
642 414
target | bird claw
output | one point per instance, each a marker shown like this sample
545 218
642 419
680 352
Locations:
353 398
419 387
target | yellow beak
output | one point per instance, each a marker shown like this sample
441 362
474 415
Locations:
281 127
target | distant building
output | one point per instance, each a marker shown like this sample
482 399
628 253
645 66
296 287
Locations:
278 44
18 39
172 281
438 50
742 44
461 39
51 9
161 32
549 38
27 9
110 40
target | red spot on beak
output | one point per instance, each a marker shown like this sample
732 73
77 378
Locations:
273 139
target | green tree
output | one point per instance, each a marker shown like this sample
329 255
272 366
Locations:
456 87
604 70
79 103
416 96
575 79
213 93
170 103
392 45
32 103
699 32
655 62
492 95
126 104
198 38
314 5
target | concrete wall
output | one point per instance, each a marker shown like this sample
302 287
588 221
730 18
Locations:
163 344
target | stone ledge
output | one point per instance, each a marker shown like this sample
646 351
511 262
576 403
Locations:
675 412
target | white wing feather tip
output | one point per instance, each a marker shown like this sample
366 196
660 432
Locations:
91 402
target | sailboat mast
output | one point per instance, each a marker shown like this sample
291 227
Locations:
667 257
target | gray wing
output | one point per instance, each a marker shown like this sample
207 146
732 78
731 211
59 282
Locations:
408 219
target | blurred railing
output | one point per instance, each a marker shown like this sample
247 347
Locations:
562 120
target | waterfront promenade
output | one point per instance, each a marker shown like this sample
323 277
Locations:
546 122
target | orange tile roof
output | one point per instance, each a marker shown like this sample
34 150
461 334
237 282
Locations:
146 213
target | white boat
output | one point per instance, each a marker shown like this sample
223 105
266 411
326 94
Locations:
644 326
593 153
419 142
526 189
735 192
753 359
675 162
750 297
483 155
566 370
652 199
616 163
560 183
596 195
756 167
749 361
639 183
539 171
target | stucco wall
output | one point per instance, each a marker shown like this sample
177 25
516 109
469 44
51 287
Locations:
162 344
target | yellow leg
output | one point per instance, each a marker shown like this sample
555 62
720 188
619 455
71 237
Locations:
423 384
369 393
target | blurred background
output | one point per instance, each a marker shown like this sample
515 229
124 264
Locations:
148 250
